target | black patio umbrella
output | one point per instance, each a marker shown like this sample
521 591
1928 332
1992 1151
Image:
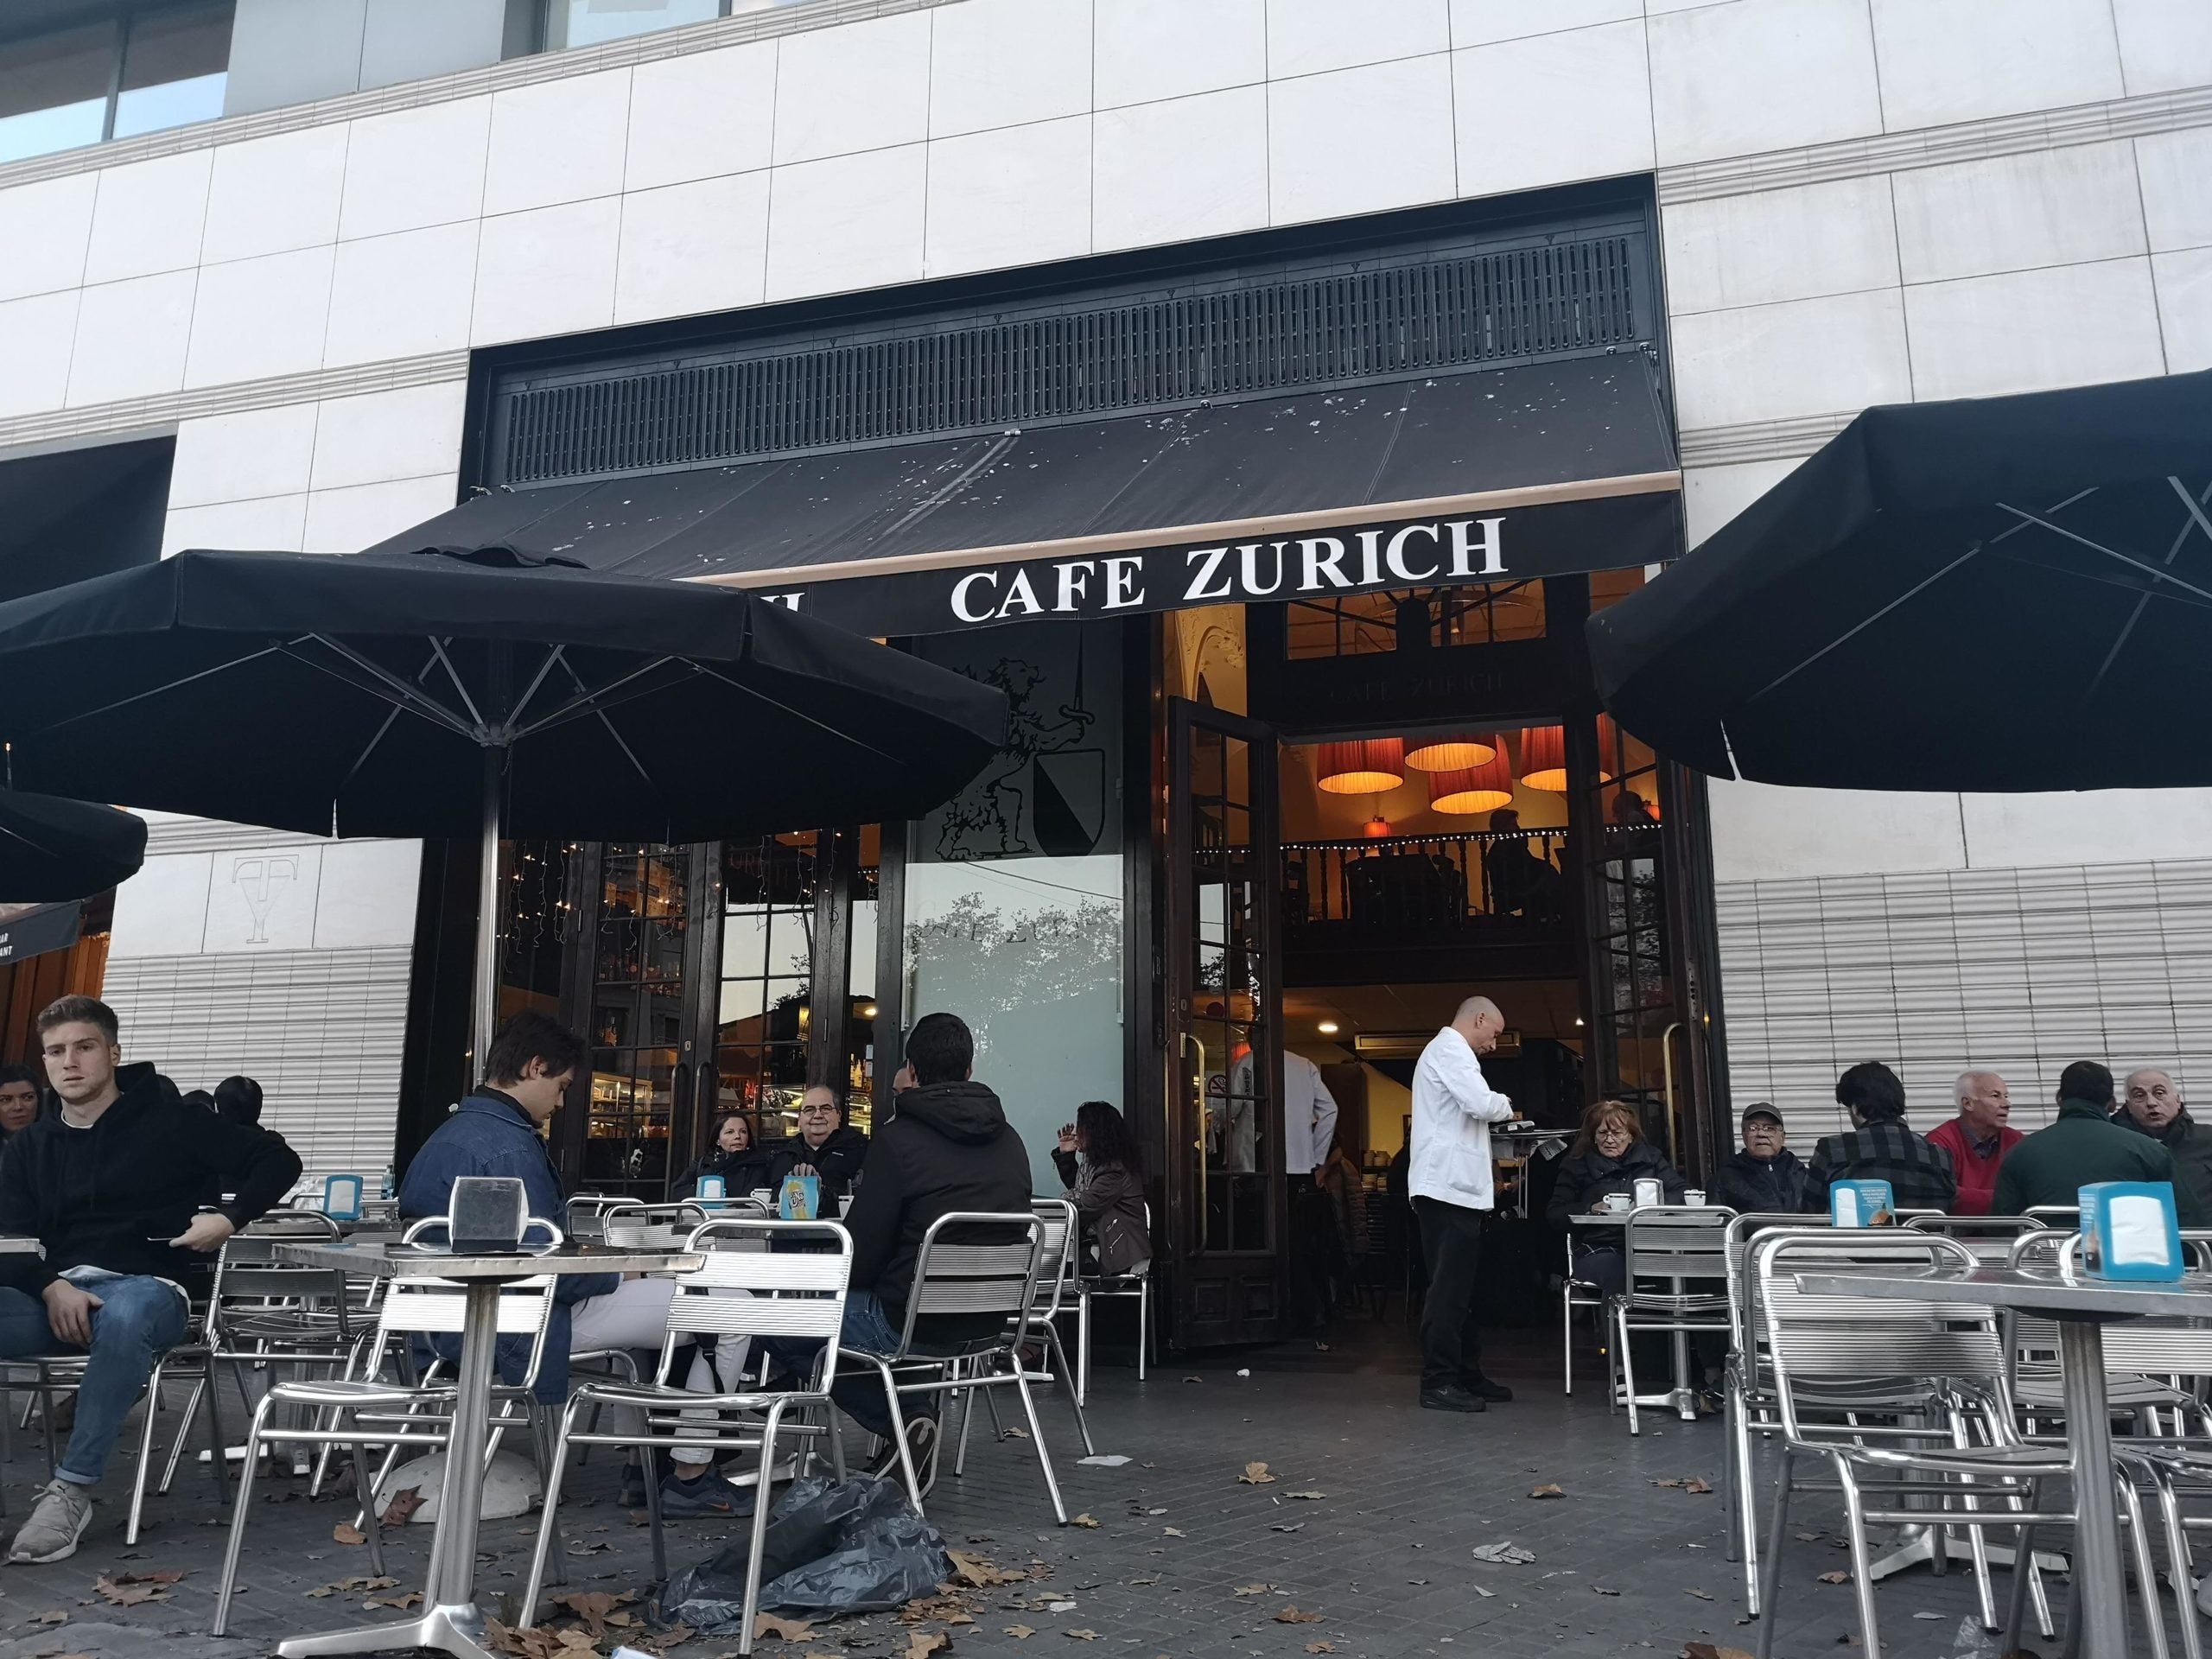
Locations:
446 695
52 850
1993 594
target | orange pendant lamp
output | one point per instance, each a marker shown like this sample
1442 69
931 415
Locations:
1481 788
1456 751
1367 766
1543 758
1543 755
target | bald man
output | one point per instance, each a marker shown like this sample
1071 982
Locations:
1977 1138
2152 1104
1449 1180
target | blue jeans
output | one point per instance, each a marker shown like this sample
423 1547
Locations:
859 1389
140 1319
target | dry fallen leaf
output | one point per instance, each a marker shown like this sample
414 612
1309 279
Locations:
1084 1520
1012 1432
590 1606
976 1570
54 1616
1320 1647
1707 1650
1702 1595
1254 1589
1081 1636
346 1533
1694 1485
674 1635
1835 1578
1256 1474
922 1644
1292 1616
160 1575
1666 1483
1547 1491
403 1504
410 1598
783 1630
1020 1632
1601 1590
1305 1494
1172 1532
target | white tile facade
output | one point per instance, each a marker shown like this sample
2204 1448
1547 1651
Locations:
994 133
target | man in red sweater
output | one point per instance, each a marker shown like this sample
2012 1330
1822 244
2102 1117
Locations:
1977 1138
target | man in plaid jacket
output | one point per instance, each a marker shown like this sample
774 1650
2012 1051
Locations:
1879 1147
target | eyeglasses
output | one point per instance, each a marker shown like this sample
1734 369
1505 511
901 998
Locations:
818 1111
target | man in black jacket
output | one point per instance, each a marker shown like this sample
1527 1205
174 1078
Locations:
112 1185
1766 1177
947 1147
826 1148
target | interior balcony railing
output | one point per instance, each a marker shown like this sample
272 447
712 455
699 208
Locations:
1485 887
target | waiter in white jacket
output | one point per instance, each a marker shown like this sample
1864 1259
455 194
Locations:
1449 1180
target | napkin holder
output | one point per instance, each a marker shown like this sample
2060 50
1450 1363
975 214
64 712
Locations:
341 1197
1861 1204
712 1189
799 1199
2129 1232
486 1214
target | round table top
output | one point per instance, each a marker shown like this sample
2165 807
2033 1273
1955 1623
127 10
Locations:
383 1258
2042 1290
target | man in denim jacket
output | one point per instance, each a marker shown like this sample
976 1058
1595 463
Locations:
494 1131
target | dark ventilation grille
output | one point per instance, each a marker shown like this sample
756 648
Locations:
1389 321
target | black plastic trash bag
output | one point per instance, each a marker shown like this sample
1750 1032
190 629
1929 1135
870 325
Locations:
833 1547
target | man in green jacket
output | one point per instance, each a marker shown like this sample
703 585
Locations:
2052 1165
2152 1105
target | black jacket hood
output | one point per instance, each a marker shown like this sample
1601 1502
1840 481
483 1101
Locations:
967 1112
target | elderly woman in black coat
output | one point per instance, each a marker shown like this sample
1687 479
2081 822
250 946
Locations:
1609 1155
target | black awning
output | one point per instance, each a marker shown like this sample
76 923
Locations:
2009 593
1486 476
33 929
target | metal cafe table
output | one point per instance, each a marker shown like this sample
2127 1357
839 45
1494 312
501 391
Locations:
1683 1397
450 1621
2081 1306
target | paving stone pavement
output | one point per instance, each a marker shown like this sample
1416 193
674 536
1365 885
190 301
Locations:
1623 1566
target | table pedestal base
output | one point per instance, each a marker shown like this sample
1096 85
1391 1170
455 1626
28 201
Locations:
1916 1547
457 1630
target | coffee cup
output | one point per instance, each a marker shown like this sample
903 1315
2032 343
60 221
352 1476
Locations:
1617 1204
1693 1197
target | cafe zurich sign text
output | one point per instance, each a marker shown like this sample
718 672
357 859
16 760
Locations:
1555 539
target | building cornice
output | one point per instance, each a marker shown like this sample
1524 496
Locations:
468 83
1967 141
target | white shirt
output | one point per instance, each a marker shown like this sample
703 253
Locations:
1454 1109
1309 1116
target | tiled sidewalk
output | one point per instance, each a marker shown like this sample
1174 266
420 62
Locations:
1185 1559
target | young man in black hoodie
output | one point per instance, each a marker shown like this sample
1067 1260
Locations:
112 1185
947 1147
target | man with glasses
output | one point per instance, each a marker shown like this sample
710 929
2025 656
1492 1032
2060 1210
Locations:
824 1148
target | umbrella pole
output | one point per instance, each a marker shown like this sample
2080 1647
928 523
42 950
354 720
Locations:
483 1004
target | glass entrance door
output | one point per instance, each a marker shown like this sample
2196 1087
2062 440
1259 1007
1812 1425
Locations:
1225 1186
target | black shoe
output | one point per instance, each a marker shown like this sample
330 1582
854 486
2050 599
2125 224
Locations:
921 1447
1451 1397
632 1495
1476 1384
702 1495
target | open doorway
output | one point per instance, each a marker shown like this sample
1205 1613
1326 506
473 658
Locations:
1377 806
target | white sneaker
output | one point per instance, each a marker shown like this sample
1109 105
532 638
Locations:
57 1520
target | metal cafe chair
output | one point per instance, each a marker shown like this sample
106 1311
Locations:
956 1271
1055 1286
746 1287
1963 1458
1110 1286
395 1413
262 1314
1747 1383
1990 1237
1681 1244
1574 1293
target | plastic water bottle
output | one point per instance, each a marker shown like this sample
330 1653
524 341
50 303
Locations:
385 1190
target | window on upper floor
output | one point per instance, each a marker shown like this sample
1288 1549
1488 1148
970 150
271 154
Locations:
591 22
135 69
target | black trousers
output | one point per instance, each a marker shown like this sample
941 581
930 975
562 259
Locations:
1451 1246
